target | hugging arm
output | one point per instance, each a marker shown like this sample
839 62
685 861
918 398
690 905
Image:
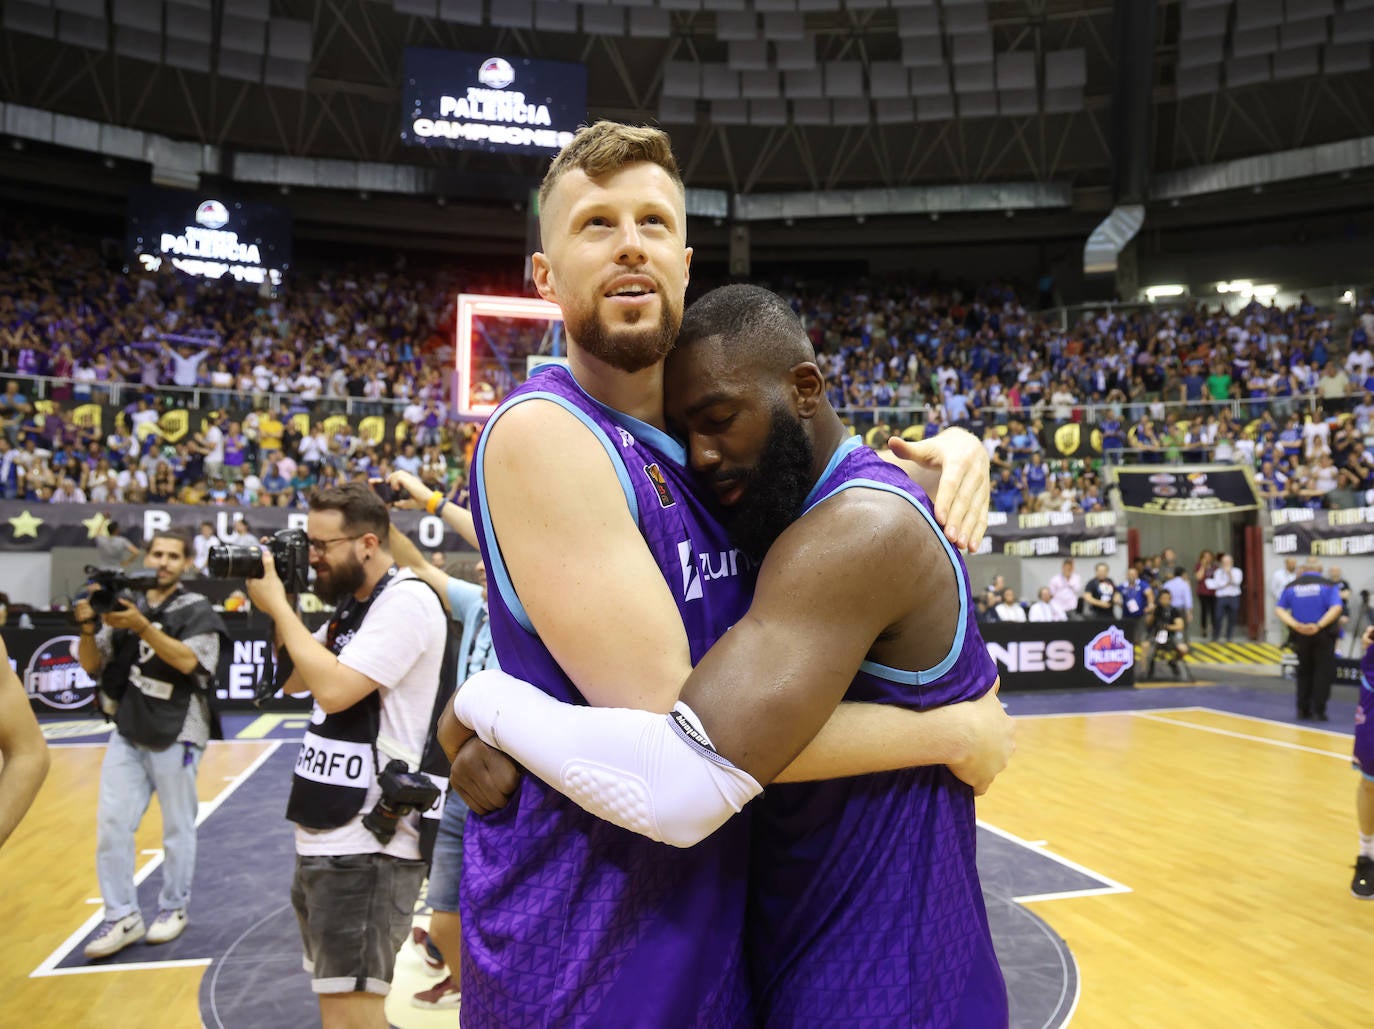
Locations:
753 703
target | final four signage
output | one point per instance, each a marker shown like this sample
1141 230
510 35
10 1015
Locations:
476 101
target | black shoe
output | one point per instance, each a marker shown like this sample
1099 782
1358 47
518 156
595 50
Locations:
1362 885
1150 671
1304 716
1173 667
1320 716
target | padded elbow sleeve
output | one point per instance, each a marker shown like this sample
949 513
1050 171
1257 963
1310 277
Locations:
656 775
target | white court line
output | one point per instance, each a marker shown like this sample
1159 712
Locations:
49 965
128 966
1305 727
1100 714
54 743
1110 885
1246 736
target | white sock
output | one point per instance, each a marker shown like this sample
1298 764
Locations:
1367 845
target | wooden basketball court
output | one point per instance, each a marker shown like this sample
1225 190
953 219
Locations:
1223 842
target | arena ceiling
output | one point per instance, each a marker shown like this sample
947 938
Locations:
920 93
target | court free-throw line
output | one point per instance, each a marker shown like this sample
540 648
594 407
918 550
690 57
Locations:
49 965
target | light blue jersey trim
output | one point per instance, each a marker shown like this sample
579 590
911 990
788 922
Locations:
498 573
654 437
930 674
841 452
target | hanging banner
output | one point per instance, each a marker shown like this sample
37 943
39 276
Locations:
1300 530
1071 440
27 526
1051 534
175 424
1204 489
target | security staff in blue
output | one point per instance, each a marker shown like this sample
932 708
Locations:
1311 607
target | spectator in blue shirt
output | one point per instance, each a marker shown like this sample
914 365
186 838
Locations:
1006 493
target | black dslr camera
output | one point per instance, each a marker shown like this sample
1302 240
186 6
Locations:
290 551
114 587
402 792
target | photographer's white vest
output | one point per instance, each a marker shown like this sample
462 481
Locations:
337 762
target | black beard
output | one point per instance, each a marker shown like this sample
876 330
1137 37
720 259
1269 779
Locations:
776 490
631 349
343 582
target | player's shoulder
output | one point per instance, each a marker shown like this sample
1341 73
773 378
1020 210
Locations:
863 519
560 417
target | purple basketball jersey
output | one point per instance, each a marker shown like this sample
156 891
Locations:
1364 717
865 906
568 920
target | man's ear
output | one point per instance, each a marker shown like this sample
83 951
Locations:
542 274
809 384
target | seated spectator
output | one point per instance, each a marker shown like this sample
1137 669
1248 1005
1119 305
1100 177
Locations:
1043 610
1009 610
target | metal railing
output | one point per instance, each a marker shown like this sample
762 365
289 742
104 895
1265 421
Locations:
1241 409
195 398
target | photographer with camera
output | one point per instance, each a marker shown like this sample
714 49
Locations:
155 659
368 765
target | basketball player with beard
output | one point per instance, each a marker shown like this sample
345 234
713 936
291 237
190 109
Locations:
610 575
865 907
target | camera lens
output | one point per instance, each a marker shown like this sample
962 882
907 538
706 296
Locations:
234 561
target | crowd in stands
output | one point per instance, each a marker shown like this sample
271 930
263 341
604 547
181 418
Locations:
1282 389
1189 383
371 341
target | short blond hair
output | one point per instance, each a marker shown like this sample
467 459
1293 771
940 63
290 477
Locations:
606 147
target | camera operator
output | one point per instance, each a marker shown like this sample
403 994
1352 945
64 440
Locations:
374 670
154 660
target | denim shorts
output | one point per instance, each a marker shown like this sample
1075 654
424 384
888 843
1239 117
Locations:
447 868
355 912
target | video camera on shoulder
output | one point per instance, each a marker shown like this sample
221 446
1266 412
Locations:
290 550
114 587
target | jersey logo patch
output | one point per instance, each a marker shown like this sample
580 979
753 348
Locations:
691 575
665 498
626 440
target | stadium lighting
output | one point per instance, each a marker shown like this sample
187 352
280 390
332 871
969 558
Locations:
1348 297
1153 293
1243 286
1264 292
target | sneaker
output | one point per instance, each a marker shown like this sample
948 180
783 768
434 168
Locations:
115 935
442 994
423 946
167 926
1362 885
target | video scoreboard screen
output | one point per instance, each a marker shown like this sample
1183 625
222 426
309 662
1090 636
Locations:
210 236
480 101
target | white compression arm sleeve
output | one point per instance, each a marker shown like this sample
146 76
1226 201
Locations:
655 775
